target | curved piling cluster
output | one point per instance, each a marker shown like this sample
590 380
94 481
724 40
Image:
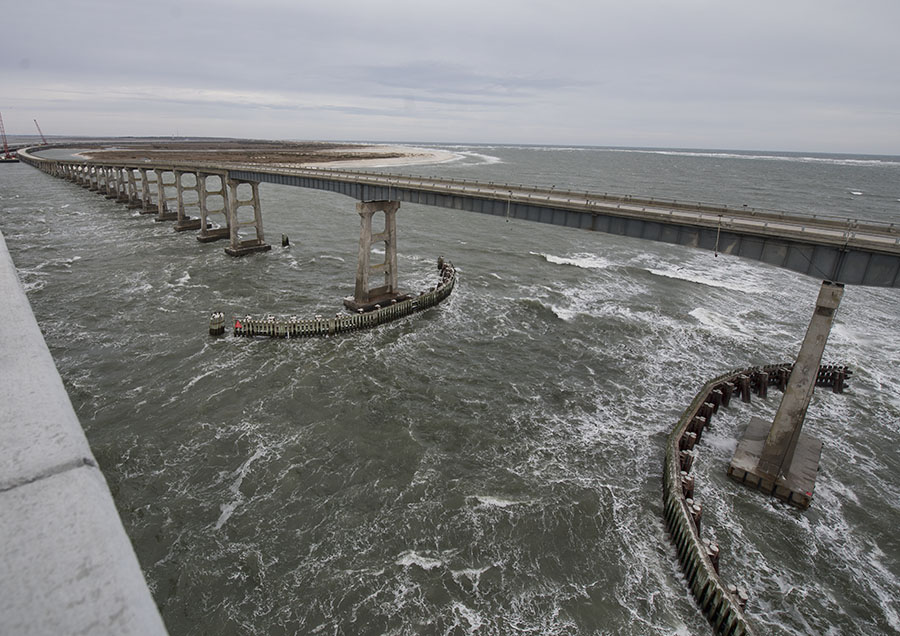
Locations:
722 604
294 327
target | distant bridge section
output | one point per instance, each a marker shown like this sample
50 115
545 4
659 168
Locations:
842 250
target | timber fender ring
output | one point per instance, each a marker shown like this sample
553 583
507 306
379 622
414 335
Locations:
294 327
723 605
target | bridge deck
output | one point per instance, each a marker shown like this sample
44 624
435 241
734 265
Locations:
848 251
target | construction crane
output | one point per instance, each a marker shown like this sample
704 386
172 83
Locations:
40 132
7 157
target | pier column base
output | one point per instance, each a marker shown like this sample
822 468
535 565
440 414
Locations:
186 224
247 247
215 234
797 486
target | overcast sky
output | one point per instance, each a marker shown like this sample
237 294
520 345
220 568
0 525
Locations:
814 75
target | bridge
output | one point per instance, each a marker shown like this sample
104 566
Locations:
847 251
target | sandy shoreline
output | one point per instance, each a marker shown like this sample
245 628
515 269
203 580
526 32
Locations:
411 156
292 155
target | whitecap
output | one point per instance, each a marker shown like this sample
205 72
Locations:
235 489
495 502
411 557
480 158
683 274
582 260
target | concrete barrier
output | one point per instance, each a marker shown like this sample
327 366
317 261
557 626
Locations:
66 564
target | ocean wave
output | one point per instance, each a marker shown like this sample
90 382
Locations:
836 160
479 159
582 260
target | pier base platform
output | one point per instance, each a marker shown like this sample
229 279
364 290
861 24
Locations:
168 216
247 247
383 300
216 234
187 223
797 486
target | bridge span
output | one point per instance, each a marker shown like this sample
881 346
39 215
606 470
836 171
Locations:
847 251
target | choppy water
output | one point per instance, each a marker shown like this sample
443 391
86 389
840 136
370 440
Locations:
489 467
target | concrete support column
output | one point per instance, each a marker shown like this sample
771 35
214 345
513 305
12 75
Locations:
134 199
112 186
207 233
781 442
239 246
778 458
364 297
162 208
184 221
122 182
146 197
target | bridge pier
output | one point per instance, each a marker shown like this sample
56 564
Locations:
147 206
134 198
238 245
365 298
779 459
184 221
93 178
162 200
208 234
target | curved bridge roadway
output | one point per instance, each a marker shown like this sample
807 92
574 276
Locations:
841 250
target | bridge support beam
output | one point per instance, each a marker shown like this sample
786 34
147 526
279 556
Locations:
184 221
238 245
134 198
365 298
208 234
146 193
162 207
779 459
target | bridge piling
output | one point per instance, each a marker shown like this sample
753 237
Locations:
239 246
364 297
208 234
134 199
146 192
778 458
184 221
163 213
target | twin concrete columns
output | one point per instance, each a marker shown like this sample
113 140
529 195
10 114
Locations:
365 297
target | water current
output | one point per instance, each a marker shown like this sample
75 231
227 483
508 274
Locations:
491 466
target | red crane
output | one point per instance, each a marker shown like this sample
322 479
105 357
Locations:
7 157
40 132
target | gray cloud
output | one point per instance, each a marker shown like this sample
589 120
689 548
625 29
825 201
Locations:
806 75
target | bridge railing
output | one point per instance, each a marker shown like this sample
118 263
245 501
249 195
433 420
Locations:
574 195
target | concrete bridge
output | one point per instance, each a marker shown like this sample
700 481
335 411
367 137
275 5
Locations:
846 251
